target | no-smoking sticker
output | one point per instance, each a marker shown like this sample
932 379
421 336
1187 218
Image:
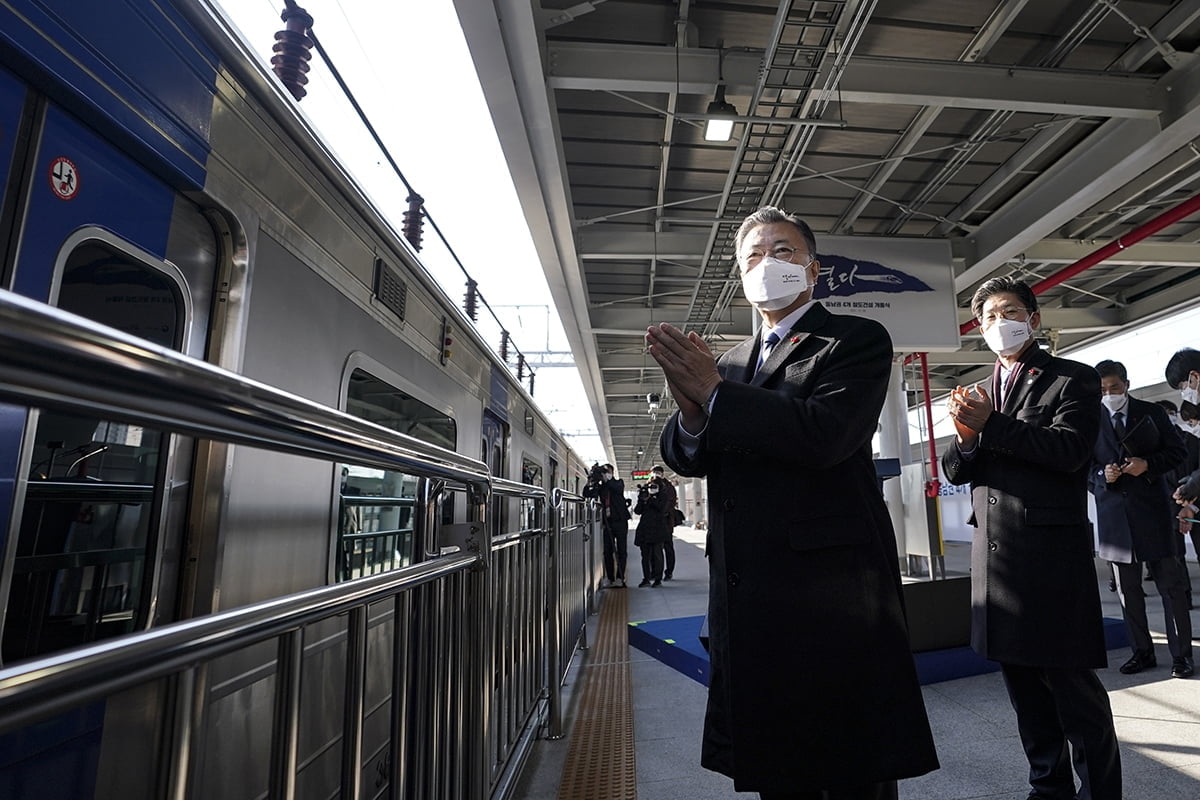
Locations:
64 178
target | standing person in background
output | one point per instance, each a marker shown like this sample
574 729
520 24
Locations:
1025 445
1183 373
1137 445
813 691
614 511
670 502
1190 464
652 532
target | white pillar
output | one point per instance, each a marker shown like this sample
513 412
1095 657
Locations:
893 443
698 512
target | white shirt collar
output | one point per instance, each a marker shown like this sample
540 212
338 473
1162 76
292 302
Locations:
786 324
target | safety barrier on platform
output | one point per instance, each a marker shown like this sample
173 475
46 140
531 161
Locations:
476 633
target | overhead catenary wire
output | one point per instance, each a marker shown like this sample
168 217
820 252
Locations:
362 115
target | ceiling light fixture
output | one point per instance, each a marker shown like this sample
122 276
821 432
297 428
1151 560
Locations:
720 118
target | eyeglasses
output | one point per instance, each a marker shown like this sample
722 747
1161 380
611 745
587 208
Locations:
1011 313
782 252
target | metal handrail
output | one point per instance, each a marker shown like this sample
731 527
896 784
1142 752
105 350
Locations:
43 687
49 353
56 360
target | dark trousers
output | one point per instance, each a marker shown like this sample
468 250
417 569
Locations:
615 551
871 791
669 556
1057 706
652 561
1172 584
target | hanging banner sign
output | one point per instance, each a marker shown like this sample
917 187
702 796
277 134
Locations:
905 284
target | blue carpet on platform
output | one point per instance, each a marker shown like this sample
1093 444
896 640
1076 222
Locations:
676 643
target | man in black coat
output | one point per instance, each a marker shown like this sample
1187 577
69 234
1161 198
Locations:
813 690
1179 523
1136 447
1183 372
1035 602
670 500
610 491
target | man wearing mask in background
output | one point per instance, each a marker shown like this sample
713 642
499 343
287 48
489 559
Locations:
1136 447
610 491
813 691
670 501
1190 464
1183 372
1024 443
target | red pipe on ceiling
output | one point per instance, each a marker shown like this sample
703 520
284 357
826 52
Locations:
1168 217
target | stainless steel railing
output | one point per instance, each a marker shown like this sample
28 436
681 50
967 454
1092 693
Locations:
466 625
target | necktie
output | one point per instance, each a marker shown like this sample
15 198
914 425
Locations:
771 340
1119 425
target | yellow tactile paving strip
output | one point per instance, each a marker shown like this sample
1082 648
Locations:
601 763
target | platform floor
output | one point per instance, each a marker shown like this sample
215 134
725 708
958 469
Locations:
1157 717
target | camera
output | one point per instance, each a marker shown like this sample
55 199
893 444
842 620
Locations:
596 474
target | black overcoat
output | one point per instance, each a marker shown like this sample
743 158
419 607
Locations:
1133 513
1035 597
812 679
653 525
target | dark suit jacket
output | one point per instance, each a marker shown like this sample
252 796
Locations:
812 682
1133 516
1035 598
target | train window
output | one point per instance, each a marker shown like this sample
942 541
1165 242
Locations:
375 521
93 503
531 471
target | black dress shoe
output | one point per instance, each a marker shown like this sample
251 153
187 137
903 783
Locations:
1183 668
1142 659
645 582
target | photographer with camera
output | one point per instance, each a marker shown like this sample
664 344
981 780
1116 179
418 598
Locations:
670 503
653 530
614 515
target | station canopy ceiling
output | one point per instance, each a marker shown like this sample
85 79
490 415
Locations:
1027 134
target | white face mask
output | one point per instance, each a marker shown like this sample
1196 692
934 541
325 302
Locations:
1175 420
1114 402
1190 394
607 476
773 284
1007 336
653 490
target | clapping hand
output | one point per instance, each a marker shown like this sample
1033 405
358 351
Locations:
969 409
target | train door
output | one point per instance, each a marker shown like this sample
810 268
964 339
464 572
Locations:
494 433
93 537
495 443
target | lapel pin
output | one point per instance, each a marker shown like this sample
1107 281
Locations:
795 339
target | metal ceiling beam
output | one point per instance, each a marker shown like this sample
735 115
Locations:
625 321
596 245
1068 251
599 245
1083 318
1113 155
1174 22
987 35
868 79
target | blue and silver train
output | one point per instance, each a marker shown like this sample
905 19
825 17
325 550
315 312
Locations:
264 531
